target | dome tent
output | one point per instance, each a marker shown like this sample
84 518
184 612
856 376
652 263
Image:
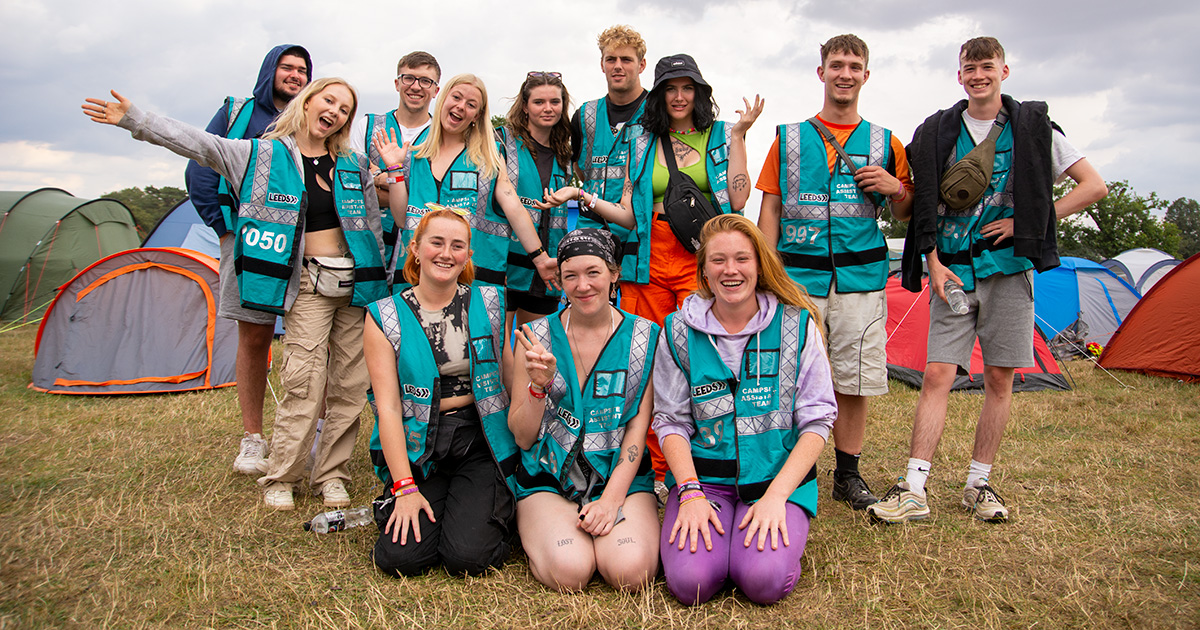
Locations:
182 227
1141 267
46 237
1161 335
1080 302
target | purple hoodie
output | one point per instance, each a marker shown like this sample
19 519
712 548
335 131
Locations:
815 409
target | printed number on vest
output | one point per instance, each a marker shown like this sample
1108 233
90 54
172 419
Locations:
711 434
266 240
801 234
954 231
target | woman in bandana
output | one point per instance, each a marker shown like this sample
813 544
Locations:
584 491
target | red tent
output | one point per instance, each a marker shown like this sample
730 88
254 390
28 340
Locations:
1161 335
908 334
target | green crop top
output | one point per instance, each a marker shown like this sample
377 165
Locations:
697 171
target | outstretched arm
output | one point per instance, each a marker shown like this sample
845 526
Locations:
523 227
739 173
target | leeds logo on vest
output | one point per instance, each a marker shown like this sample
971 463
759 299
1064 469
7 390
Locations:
418 392
571 421
290 200
715 386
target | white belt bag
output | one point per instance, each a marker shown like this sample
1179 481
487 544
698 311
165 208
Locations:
332 276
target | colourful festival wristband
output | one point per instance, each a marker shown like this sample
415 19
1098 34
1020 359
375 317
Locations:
401 483
537 391
408 490
395 167
902 196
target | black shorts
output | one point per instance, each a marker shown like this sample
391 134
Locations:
530 303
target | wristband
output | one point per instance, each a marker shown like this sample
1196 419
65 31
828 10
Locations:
592 205
691 496
537 252
401 483
396 167
395 180
903 194
536 391
409 490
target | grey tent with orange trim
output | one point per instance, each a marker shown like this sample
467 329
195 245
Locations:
138 322
46 237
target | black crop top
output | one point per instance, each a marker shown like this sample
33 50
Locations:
321 214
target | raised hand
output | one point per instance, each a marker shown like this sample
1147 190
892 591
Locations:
107 112
540 364
392 152
747 116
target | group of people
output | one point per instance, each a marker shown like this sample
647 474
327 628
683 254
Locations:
531 381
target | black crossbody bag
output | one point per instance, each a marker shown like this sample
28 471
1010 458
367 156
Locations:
684 204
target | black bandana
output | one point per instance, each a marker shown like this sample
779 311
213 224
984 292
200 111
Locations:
588 242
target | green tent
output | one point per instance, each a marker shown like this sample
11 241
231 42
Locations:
46 237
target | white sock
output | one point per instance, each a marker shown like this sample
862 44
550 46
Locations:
917 473
977 472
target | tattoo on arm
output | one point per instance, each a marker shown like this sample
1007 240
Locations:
739 182
628 190
633 453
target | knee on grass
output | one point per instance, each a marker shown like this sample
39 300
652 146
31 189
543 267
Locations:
565 572
398 560
692 584
763 586
630 573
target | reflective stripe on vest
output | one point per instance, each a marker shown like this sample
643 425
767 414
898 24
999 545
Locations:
522 274
643 151
588 421
827 223
238 117
603 158
419 381
744 427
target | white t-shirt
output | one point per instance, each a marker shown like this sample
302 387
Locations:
358 134
1063 154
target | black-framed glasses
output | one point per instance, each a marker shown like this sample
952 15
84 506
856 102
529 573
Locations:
535 74
424 82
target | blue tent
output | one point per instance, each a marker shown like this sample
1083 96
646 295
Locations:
182 227
1080 302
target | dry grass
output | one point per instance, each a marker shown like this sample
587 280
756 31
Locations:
124 512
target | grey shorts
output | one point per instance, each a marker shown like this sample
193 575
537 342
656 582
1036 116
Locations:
230 302
1000 313
857 340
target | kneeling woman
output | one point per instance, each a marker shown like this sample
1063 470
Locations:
743 445
441 443
585 492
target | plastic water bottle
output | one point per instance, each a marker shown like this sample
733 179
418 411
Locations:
955 297
337 520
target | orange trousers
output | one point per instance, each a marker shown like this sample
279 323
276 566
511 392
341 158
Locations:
672 278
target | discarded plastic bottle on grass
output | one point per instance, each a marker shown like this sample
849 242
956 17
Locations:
955 297
337 520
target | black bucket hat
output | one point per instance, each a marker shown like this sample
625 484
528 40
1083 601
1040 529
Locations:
675 66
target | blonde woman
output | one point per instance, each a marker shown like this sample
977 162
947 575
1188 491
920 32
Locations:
309 246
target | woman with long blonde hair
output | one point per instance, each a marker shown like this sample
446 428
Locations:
309 246
441 445
742 446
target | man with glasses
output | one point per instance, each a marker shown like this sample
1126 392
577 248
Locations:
285 71
417 77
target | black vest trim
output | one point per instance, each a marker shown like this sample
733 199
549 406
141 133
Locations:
263 267
715 467
806 261
490 276
369 274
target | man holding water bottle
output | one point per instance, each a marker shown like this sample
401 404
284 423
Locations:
984 218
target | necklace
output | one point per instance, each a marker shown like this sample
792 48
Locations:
687 132
578 357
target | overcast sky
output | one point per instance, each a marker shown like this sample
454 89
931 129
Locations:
1123 81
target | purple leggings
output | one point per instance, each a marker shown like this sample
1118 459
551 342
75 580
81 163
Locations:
765 576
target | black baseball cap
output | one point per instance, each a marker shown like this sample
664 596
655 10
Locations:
675 66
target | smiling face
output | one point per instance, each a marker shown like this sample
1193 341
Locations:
731 268
981 78
622 69
413 97
545 106
328 110
586 281
442 251
843 74
463 106
680 99
291 75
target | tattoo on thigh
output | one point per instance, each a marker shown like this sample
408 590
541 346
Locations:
628 540
566 541
633 453
739 182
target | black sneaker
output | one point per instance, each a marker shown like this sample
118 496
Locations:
851 488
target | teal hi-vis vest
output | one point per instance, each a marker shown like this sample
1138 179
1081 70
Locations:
462 187
827 225
744 428
525 178
602 159
960 243
391 231
238 112
643 152
270 222
589 421
420 383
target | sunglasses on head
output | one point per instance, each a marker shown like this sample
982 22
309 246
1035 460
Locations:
534 74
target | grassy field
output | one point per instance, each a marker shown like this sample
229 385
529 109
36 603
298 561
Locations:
124 512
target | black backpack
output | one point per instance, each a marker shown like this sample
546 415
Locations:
685 205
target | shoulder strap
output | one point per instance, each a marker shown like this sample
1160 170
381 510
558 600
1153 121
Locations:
668 154
998 125
235 111
828 136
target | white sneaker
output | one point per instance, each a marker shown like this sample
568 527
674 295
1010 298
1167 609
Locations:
278 496
335 494
252 456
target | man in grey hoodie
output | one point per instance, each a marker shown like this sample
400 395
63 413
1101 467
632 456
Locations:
285 71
